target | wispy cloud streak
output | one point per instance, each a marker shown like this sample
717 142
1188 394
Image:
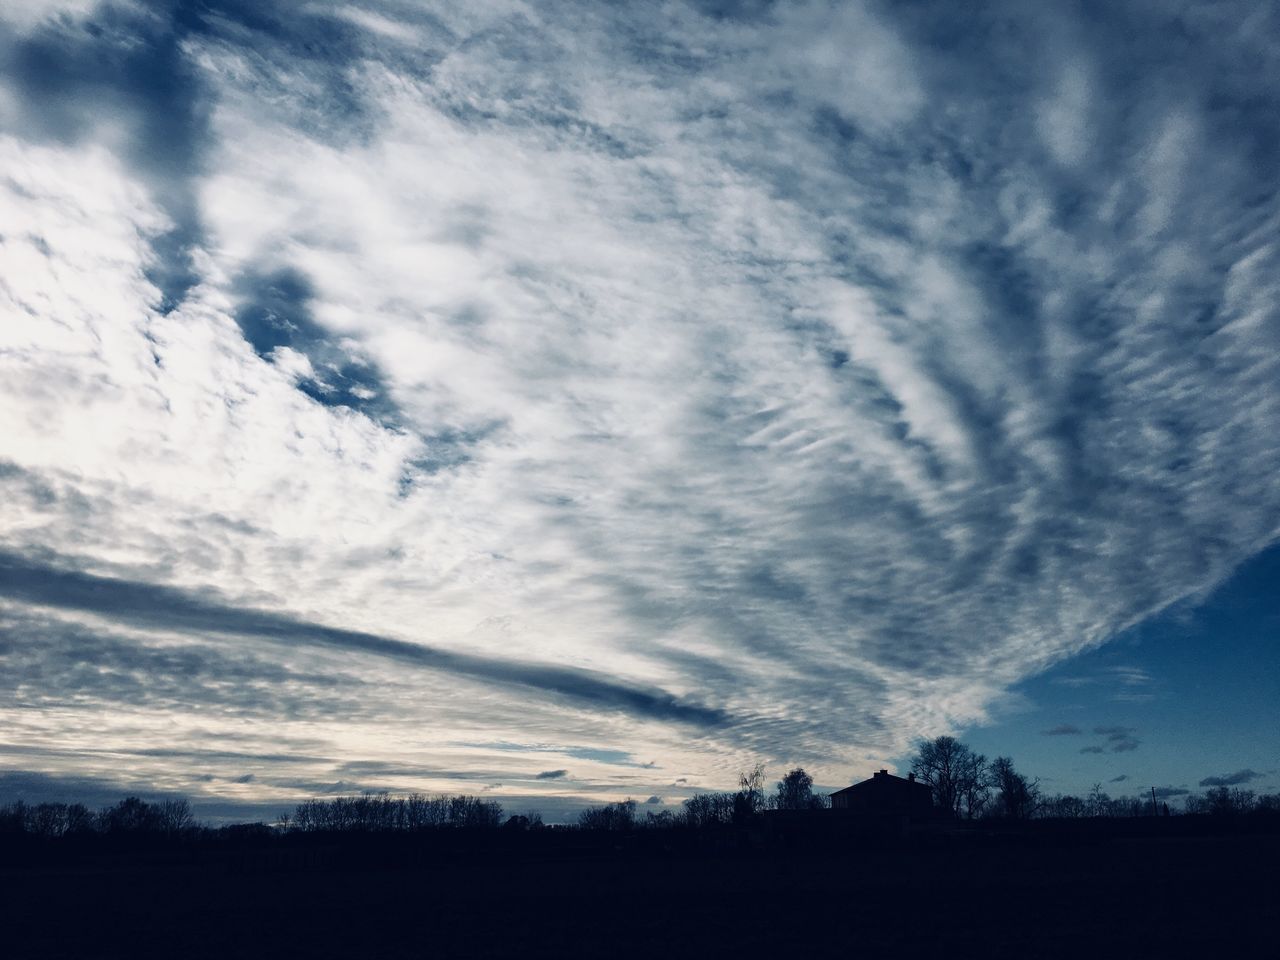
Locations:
149 605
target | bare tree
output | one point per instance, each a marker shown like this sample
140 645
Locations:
706 809
175 816
130 815
1098 803
749 799
958 776
613 816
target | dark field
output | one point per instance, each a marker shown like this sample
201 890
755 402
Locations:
957 897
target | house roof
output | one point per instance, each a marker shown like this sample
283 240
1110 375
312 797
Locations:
884 777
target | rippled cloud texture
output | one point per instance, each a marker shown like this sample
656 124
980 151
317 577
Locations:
596 398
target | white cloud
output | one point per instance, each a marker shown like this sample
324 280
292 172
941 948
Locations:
839 432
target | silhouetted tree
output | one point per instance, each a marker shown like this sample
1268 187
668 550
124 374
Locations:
613 816
1267 803
13 818
47 820
1228 801
132 815
380 812
662 820
706 809
79 819
175 816
750 799
795 791
521 822
1016 797
1061 805
1098 804
474 813
958 776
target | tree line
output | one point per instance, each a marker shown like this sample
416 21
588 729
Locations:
382 812
964 785
968 786
704 810
132 816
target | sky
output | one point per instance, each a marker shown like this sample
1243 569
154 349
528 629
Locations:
564 403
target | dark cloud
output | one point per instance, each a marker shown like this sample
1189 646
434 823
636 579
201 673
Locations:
552 775
384 770
158 607
129 66
654 799
1119 739
1062 730
47 662
1092 750
192 753
37 787
1232 779
1120 779
1164 793
618 758
132 64
274 311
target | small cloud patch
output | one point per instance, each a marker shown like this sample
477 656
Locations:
1119 739
1231 779
552 775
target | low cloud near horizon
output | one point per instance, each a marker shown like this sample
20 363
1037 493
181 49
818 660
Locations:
422 394
1232 779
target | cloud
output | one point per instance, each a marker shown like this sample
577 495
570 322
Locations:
552 775
1231 779
1164 793
1128 684
1062 730
1119 739
1120 779
709 383
1092 750
148 605
654 799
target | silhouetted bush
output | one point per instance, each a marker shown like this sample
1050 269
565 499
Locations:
518 821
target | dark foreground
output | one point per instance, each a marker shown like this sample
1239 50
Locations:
967 897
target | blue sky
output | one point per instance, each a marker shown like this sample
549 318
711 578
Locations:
400 395
1185 697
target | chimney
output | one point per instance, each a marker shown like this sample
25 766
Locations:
882 773
911 777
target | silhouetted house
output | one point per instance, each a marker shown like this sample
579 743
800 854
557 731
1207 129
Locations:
885 795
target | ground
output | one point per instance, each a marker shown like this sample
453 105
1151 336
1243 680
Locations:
1120 897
